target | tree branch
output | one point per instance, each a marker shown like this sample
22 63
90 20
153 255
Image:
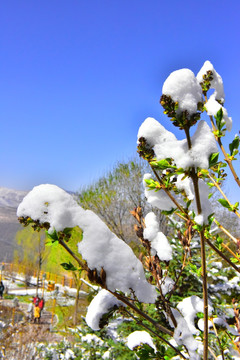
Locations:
219 141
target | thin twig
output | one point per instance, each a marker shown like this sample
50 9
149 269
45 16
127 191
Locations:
230 251
225 231
219 141
211 351
179 275
141 313
222 255
194 178
82 265
153 332
169 194
220 190
219 342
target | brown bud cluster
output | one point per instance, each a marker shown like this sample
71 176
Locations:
36 225
206 83
180 119
186 237
145 150
95 277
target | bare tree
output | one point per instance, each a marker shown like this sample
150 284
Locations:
117 193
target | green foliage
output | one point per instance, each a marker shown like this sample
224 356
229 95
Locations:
234 145
220 124
213 159
68 266
163 164
226 204
58 255
30 245
152 184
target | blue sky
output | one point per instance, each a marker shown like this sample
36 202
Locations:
79 77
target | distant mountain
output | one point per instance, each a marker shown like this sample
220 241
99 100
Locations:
9 225
10 197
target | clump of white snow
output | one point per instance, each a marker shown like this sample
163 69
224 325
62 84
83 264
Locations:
183 88
89 338
212 106
154 132
189 308
167 285
159 243
183 336
216 83
203 145
106 355
185 183
99 247
152 226
167 146
100 305
137 338
205 204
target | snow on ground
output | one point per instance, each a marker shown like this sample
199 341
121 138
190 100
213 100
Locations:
61 293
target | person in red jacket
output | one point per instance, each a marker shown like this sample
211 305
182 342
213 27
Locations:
36 300
41 305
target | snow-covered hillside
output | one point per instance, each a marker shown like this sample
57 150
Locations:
10 197
9 225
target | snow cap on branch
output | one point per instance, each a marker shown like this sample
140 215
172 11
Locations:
205 203
203 145
216 83
167 146
100 247
185 183
183 335
101 304
137 338
154 132
212 106
159 243
189 308
183 88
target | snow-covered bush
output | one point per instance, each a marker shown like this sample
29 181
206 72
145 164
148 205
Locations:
181 290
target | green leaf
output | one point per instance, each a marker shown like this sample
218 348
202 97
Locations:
67 231
234 260
53 236
234 145
224 203
162 164
170 212
152 184
219 117
52 243
213 159
210 218
236 205
68 266
198 227
179 171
